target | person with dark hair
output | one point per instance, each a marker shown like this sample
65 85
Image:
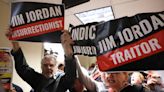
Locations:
48 80
61 67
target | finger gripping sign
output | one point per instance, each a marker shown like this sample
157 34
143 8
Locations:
37 22
130 43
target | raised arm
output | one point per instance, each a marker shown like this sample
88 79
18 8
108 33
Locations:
21 66
15 45
70 64
67 43
88 82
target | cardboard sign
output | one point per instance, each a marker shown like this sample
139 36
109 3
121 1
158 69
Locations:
36 22
128 43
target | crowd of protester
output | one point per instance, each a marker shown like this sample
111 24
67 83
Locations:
148 81
73 77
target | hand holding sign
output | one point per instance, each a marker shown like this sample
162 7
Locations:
15 44
8 33
67 43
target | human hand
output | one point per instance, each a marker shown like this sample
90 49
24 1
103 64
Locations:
67 43
8 33
154 80
14 44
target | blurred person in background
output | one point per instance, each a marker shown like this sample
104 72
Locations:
137 78
154 82
1 87
61 67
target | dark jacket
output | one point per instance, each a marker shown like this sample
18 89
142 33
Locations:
135 88
39 82
17 88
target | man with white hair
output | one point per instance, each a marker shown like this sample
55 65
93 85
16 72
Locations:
48 80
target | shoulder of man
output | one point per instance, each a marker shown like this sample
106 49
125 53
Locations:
141 88
134 88
59 75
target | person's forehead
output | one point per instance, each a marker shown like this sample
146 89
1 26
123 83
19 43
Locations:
155 75
118 73
135 75
52 61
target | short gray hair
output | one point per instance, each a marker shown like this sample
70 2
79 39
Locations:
49 56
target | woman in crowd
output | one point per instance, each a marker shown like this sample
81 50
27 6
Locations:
137 78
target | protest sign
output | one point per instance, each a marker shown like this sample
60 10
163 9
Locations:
36 22
123 43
